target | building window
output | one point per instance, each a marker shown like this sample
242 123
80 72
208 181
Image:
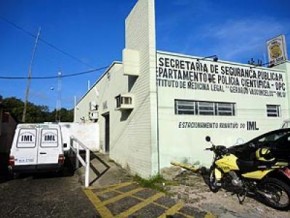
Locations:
273 110
184 107
204 108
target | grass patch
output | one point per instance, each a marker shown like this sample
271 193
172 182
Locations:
155 182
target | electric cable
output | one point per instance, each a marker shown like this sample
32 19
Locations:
44 41
54 77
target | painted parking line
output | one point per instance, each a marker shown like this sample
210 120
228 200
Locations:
132 190
114 187
121 196
172 210
103 211
140 205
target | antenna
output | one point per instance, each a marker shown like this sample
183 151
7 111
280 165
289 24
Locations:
29 77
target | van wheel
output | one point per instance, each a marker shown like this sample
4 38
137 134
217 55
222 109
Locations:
15 175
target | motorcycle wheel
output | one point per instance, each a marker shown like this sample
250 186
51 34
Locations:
212 183
275 193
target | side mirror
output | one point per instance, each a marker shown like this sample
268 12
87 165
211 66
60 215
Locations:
65 145
207 138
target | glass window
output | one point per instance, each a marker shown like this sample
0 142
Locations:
49 138
26 138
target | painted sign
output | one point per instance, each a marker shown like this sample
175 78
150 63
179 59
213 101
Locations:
49 138
26 138
189 73
248 125
277 52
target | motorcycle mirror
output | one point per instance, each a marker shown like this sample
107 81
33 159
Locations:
207 138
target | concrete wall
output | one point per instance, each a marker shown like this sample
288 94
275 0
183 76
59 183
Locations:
7 133
87 133
133 133
103 92
142 128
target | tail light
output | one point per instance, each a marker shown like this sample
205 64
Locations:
11 161
61 159
286 172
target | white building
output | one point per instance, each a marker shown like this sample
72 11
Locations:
156 107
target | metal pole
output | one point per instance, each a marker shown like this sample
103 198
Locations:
87 175
29 77
75 109
58 101
77 154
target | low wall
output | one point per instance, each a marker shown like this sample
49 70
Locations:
87 133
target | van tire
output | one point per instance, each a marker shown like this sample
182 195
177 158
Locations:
15 175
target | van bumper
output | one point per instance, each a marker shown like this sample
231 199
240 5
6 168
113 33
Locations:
36 168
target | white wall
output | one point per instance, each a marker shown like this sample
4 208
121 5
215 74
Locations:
133 134
103 92
140 151
87 133
178 143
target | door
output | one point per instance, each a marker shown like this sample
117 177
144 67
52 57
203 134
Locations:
49 146
25 151
107 132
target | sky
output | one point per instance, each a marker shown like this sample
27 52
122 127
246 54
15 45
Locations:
77 36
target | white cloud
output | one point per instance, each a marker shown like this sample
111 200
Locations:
235 38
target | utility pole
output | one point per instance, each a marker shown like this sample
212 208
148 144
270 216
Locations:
29 76
58 101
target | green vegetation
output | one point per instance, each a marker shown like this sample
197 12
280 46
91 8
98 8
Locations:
35 113
155 182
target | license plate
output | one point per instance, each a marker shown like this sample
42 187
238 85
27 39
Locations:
25 160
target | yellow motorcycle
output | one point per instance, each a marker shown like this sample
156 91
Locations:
265 178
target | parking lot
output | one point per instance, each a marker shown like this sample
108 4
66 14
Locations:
63 195
44 195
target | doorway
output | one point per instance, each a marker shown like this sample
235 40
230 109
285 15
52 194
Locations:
107 132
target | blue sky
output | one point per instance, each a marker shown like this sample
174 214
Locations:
93 32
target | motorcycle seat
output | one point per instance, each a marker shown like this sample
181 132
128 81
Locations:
251 165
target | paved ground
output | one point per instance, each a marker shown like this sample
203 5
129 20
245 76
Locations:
113 193
44 195
189 196
131 200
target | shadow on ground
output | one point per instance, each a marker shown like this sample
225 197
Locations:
67 171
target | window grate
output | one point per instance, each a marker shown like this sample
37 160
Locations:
204 108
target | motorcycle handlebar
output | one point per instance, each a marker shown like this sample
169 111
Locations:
209 149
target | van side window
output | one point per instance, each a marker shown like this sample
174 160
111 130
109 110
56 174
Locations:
26 138
49 138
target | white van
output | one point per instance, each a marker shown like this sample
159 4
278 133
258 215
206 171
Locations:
37 147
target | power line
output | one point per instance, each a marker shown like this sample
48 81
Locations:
45 42
53 77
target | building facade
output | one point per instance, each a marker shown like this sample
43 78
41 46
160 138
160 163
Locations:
155 107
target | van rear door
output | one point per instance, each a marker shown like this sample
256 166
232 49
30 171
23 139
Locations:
49 146
26 147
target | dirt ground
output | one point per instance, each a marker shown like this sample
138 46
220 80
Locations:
192 190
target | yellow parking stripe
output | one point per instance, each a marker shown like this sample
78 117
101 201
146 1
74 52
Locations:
172 210
121 196
114 187
209 215
140 205
103 211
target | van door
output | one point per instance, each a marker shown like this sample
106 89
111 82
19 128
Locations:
49 146
26 147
